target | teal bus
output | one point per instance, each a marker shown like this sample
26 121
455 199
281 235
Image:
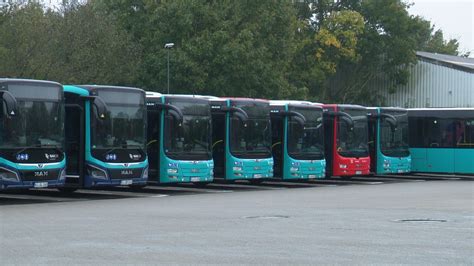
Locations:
297 140
179 139
105 136
31 134
388 140
241 134
442 140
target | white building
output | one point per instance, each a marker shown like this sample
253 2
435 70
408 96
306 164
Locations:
437 80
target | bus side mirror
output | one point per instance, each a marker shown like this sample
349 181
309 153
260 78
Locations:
173 110
101 107
345 117
348 121
391 120
298 116
10 103
99 104
238 112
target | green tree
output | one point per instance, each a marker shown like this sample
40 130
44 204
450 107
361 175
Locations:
82 44
26 35
437 44
92 48
221 47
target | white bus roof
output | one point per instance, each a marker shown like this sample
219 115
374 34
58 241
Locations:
441 109
152 94
284 102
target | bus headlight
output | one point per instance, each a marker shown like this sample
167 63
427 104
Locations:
343 166
172 171
145 173
96 172
294 169
62 176
8 175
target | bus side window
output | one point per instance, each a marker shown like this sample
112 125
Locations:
465 133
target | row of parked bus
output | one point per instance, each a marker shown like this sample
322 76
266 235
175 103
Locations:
84 136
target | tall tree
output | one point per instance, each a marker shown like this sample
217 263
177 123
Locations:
221 47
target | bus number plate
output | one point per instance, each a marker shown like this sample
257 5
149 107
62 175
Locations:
257 176
125 182
41 184
311 176
195 179
358 172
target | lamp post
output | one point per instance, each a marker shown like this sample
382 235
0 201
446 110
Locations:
168 46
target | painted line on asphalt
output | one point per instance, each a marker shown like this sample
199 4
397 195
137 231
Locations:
159 196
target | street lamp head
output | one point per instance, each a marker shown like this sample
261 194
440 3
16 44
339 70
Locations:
169 45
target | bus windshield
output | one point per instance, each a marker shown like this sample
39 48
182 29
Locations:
394 141
306 141
124 124
190 138
353 141
39 121
252 137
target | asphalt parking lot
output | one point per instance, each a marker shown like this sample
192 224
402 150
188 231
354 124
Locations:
366 220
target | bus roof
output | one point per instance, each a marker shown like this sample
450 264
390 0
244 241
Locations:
293 103
106 87
245 99
3 80
389 108
345 105
442 109
153 94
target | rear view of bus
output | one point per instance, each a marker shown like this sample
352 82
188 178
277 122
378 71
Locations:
297 140
241 134
388 140
105 136
442 140
346 140
179 139
32 134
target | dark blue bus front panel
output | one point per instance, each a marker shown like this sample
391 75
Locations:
116 164
31 134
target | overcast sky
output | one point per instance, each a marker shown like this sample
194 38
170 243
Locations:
454 17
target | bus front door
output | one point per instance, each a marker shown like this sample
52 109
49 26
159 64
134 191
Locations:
74 128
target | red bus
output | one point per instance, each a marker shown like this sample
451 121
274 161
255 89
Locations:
346 140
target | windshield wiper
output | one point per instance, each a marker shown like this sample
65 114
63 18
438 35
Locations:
55 147
123 147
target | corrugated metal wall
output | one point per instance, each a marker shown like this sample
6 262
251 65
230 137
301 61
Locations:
432 85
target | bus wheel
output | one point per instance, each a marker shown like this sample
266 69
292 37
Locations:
67 189
256 181
201 184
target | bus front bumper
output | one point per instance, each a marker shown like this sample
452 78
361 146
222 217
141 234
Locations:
96 182
5 185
